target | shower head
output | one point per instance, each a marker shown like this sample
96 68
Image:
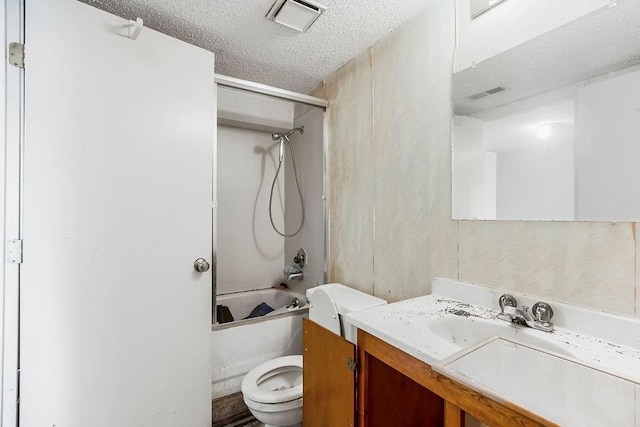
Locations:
277 136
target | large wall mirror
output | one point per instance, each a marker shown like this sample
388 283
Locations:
550 130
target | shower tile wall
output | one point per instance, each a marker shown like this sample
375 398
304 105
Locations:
390 191
250 254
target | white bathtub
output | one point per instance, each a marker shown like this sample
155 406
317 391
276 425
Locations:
239 346
241 303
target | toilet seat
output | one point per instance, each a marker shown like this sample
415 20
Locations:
252 390
273 407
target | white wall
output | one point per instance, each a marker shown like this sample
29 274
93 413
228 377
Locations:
390 161
308 150
608 128
250 254
474 171
511 23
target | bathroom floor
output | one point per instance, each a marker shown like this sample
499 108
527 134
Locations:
231 411
250 422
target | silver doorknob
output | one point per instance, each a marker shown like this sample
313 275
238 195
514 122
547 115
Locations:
201 265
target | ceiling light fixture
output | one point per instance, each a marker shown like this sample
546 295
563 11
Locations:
547 130
296 14
544 132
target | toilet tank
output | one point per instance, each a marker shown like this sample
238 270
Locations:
336 301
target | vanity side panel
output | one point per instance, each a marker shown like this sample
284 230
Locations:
328 386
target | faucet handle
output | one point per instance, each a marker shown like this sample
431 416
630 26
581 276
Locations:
301 258
509 309
542 312
507 300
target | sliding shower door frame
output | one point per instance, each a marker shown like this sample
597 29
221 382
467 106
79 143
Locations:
273 92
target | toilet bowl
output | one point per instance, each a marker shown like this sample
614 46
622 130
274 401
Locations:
273 390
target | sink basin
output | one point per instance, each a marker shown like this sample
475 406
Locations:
464 331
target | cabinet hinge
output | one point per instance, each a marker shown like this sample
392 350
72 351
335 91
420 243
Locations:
14 251
352 364
16 54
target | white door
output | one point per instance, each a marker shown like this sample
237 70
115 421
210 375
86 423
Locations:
115 321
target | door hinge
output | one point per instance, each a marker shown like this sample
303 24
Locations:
16 54
14 251
352 364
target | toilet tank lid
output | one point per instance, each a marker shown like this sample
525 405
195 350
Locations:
347 299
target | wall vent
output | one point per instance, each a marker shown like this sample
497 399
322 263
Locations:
487 93
296 14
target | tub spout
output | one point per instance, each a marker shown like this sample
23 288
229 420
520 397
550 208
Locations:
294 304
293 272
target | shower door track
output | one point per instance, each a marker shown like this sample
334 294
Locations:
274 92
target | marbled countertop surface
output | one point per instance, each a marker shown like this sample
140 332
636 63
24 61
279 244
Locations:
440 329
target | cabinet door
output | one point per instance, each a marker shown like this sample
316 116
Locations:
328 378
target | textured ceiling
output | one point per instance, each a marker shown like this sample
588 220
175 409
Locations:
250 47
601 42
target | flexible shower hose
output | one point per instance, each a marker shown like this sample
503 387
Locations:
273 185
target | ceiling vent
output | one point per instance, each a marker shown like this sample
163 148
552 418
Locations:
487 93
296 14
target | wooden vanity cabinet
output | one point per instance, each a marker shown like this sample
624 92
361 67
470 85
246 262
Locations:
393 388
446 401
329 387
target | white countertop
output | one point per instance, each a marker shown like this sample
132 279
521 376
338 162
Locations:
440 327
558 389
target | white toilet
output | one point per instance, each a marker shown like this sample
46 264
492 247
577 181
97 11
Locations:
273 390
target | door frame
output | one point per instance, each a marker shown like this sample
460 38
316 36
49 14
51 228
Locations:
12 213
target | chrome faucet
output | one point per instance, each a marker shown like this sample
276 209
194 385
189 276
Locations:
539 318
294 271
294 304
